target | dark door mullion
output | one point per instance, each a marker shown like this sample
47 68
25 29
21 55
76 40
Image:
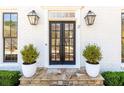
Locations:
55 40
50 46
63 43
69 40
74 39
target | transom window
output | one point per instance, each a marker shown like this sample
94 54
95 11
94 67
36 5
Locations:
10 24
61 14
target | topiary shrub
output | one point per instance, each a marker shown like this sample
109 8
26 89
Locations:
113 78
92 53
9 78
29 54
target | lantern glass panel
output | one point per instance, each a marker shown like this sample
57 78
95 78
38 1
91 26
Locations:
31 19
90 18
36 19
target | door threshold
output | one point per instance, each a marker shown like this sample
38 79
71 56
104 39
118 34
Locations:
63 66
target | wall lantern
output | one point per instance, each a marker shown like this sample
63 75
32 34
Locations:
90 18
33 17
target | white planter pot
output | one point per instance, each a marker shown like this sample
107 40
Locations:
92 69
29 70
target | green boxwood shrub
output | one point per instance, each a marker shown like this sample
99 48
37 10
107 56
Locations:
113 78
9 78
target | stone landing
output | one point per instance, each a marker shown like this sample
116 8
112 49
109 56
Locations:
61 77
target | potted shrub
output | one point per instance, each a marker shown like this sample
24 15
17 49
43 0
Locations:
29 56
93 55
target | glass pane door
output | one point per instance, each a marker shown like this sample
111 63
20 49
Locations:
62 42
55 41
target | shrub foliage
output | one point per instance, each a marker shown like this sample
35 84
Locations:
29 54
92 53
9 78
113 78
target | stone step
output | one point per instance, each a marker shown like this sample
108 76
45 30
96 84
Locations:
66 78
61 82
64 83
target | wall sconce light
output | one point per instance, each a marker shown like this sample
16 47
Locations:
33 17
90 18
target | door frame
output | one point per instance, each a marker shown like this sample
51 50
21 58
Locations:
61 29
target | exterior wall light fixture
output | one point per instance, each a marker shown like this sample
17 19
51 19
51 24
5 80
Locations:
90 18
33 17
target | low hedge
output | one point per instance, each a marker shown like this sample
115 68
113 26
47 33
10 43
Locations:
113 78
9 78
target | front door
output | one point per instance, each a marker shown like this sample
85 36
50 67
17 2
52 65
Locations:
62 42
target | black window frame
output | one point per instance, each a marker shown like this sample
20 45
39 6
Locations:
10 37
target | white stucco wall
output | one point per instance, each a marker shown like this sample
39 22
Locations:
106 32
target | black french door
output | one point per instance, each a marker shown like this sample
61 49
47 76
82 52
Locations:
62 42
